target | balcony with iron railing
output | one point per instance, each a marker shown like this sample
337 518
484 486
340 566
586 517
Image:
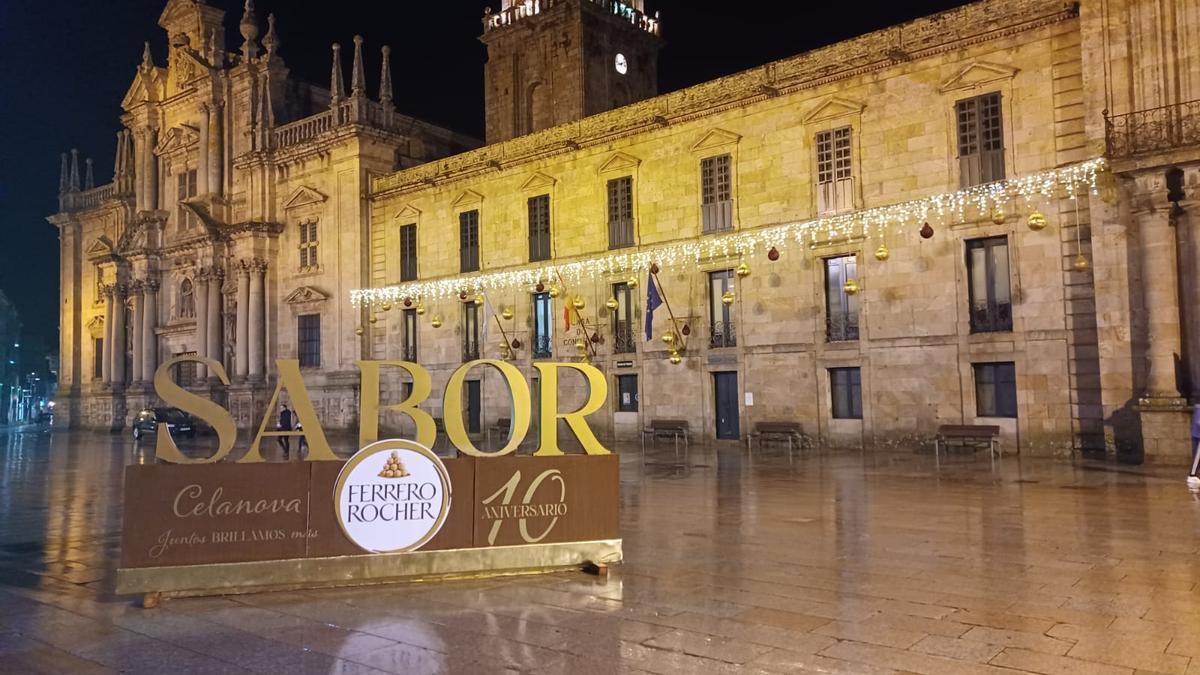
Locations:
991 317
721 334
523 10
841 328
1161 129
410 353
624 341
470 351
543 347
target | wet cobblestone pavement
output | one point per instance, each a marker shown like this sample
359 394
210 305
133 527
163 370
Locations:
831 563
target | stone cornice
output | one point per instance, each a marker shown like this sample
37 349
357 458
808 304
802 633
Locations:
928 36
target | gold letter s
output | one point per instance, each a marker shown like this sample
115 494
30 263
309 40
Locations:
216 416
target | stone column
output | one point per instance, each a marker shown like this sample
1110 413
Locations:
215 175
139 171
215 329
200 293
118 335
106 346
151 171
138 289
258 270
1156 239
149 354
243 321
202 168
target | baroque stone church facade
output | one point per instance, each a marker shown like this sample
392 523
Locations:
980 216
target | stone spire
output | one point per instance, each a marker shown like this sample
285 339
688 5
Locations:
266 114
89 181
385 79
64 183
336 91
357 78
270 41
215 58
249 30
147 60
74 180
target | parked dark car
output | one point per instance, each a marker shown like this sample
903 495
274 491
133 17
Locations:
178 422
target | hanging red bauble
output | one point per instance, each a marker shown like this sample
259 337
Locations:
773 254
926 231
595 338
516 344
686 330
462 295
408 302
653 268
540 287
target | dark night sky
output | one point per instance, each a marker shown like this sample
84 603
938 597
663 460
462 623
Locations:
64 67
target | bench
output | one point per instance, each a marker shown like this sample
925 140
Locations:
975 435
501 428
791 432
675 429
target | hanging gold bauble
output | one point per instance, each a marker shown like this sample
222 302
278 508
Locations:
1037 221
505 354
998 216
373 318
632 283
386 306
743 270
554 291
612 304
436 322
358 331
851 287
479 299
580 345
577 303
503 345
727 297
882 253
507 313
675 358
668 338
1081 263
420 309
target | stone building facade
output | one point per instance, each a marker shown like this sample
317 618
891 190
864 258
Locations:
1069 331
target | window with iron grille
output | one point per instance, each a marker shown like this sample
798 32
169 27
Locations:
620 212
539 228
720 314
185 188
308 340
468 241
980 140
543 326
308 244
408 252
470 331
185 371
835 180
841 308
995 389
97 358
622 320
716 193
410 335
989 292
845 387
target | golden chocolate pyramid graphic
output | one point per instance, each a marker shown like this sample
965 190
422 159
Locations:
393 467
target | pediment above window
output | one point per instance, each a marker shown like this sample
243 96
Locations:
538 181
303 196
833 107
95 327
467 200
619 162
714 139
409 213
978 74
102 247
148 85
305 294
177 138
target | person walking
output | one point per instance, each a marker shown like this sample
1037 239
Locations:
285 424
1193 479
302 448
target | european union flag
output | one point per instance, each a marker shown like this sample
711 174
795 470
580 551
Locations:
653 300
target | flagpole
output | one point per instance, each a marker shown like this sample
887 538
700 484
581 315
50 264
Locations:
499 325
662 294
587 336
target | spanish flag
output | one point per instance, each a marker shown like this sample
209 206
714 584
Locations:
566 312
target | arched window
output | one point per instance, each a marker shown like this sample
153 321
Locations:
187 300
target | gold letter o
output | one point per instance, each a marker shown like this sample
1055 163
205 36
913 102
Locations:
452 408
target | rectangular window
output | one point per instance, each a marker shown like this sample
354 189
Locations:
620 212
408 252
308 244
543 326
622 320
308 340
539 228
835 181
721 333
845 386
841 308
470 331
185 188
995 389
468 241
97 358
990 297
410 335
716 193
627 393
980 140
185 371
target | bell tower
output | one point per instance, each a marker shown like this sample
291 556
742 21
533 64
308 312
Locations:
556 61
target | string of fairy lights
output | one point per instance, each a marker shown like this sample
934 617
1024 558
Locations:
994 200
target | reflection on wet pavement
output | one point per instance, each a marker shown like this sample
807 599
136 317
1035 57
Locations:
831 563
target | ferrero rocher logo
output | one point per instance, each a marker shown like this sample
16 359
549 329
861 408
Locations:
385 515
393 467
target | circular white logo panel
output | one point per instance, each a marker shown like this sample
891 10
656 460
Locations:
393 495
